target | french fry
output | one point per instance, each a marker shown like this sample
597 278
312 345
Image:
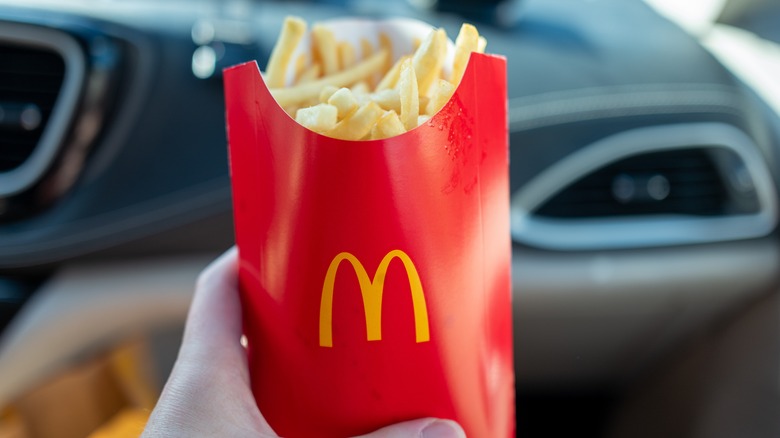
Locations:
344 101
300 65
310 74
347 56
391 77
441 94
388 99
358 124
326 92
386 43
319 118
333 87
429 59
292 109
416 44
360 87
363 98
366 50
324 45
389 125
423 102
482 44
293 30
362 92
466 42
311 90
410 102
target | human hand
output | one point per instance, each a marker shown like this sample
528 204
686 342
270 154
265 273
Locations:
208 392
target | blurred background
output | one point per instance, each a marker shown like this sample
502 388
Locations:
644 142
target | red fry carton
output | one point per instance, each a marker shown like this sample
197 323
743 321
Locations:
375 275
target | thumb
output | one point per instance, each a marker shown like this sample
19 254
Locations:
423 428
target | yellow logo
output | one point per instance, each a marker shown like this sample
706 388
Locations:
371 290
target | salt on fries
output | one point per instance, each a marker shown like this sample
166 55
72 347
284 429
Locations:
359 93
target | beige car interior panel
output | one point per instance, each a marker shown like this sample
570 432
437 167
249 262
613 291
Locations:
86 307
596 318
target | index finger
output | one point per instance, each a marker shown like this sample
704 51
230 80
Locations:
214 319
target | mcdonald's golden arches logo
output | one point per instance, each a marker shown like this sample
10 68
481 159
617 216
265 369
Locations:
371 291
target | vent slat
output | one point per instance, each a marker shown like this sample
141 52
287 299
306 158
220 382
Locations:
684 181
28 76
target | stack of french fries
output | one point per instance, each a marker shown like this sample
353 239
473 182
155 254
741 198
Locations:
336 94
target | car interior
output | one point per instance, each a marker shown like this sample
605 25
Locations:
644 150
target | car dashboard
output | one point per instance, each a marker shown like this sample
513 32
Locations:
643 177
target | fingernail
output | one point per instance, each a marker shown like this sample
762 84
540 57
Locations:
443 429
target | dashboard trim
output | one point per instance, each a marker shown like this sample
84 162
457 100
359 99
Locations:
594 103
644 231
26 174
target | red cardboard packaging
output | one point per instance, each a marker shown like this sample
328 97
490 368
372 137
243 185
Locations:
375 275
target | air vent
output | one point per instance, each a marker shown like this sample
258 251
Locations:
42 72
30 81
663 185
700 181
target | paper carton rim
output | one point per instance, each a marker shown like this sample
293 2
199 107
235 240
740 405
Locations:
434 117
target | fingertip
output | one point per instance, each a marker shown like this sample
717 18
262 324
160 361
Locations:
443 429
423 427
214 319
222 269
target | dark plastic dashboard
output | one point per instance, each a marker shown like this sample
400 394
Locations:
592 86
644 179
156 167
